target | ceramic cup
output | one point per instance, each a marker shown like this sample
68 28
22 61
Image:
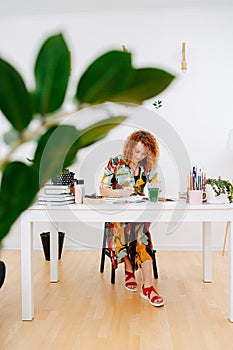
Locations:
196 196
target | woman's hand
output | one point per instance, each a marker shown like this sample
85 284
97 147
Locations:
126 191
121 192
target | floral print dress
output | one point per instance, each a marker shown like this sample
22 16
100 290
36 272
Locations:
131 239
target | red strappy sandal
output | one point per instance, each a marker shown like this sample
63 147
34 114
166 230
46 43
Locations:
155 300
132 284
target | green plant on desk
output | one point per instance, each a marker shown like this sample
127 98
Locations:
221 186
36 115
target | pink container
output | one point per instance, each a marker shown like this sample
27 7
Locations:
196 197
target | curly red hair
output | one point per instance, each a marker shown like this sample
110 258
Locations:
150 143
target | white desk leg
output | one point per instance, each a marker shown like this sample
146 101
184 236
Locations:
207 252
53 254
27 268
230 271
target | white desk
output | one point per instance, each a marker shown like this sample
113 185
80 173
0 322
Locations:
169 212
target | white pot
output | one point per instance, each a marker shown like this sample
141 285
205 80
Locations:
211 197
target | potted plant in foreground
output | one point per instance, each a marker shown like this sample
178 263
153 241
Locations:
37 115
218 191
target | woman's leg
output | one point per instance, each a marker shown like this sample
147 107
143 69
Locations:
128 264
147 272
144 259
148 291
130 282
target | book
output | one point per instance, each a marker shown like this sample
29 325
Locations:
48 203
55 189
59 186
56 197
55 200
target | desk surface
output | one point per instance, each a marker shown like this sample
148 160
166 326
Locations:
161 211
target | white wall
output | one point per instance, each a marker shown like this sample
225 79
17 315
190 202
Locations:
197 107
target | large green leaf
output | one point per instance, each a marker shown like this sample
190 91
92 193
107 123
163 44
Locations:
52 71
58 147
15 101
144 84
92 134
19 187
112 78
51 152
98 131
104 78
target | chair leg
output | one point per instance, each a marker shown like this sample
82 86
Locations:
102 261
105 251
155 270
113 275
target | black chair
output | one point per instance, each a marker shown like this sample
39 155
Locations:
107 252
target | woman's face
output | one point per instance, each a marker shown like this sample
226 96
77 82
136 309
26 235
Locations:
139 152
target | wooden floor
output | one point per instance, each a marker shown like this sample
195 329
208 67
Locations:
84 311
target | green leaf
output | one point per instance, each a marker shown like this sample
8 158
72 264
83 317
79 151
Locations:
98 131
104 78
92 134
51 152
144 84
112 78
19 187
52 71
15 100
58 147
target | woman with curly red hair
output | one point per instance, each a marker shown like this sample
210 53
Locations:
127 175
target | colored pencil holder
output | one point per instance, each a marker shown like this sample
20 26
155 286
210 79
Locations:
196 196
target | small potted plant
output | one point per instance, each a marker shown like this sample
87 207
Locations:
218 191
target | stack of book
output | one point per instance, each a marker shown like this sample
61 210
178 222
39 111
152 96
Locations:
52 194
